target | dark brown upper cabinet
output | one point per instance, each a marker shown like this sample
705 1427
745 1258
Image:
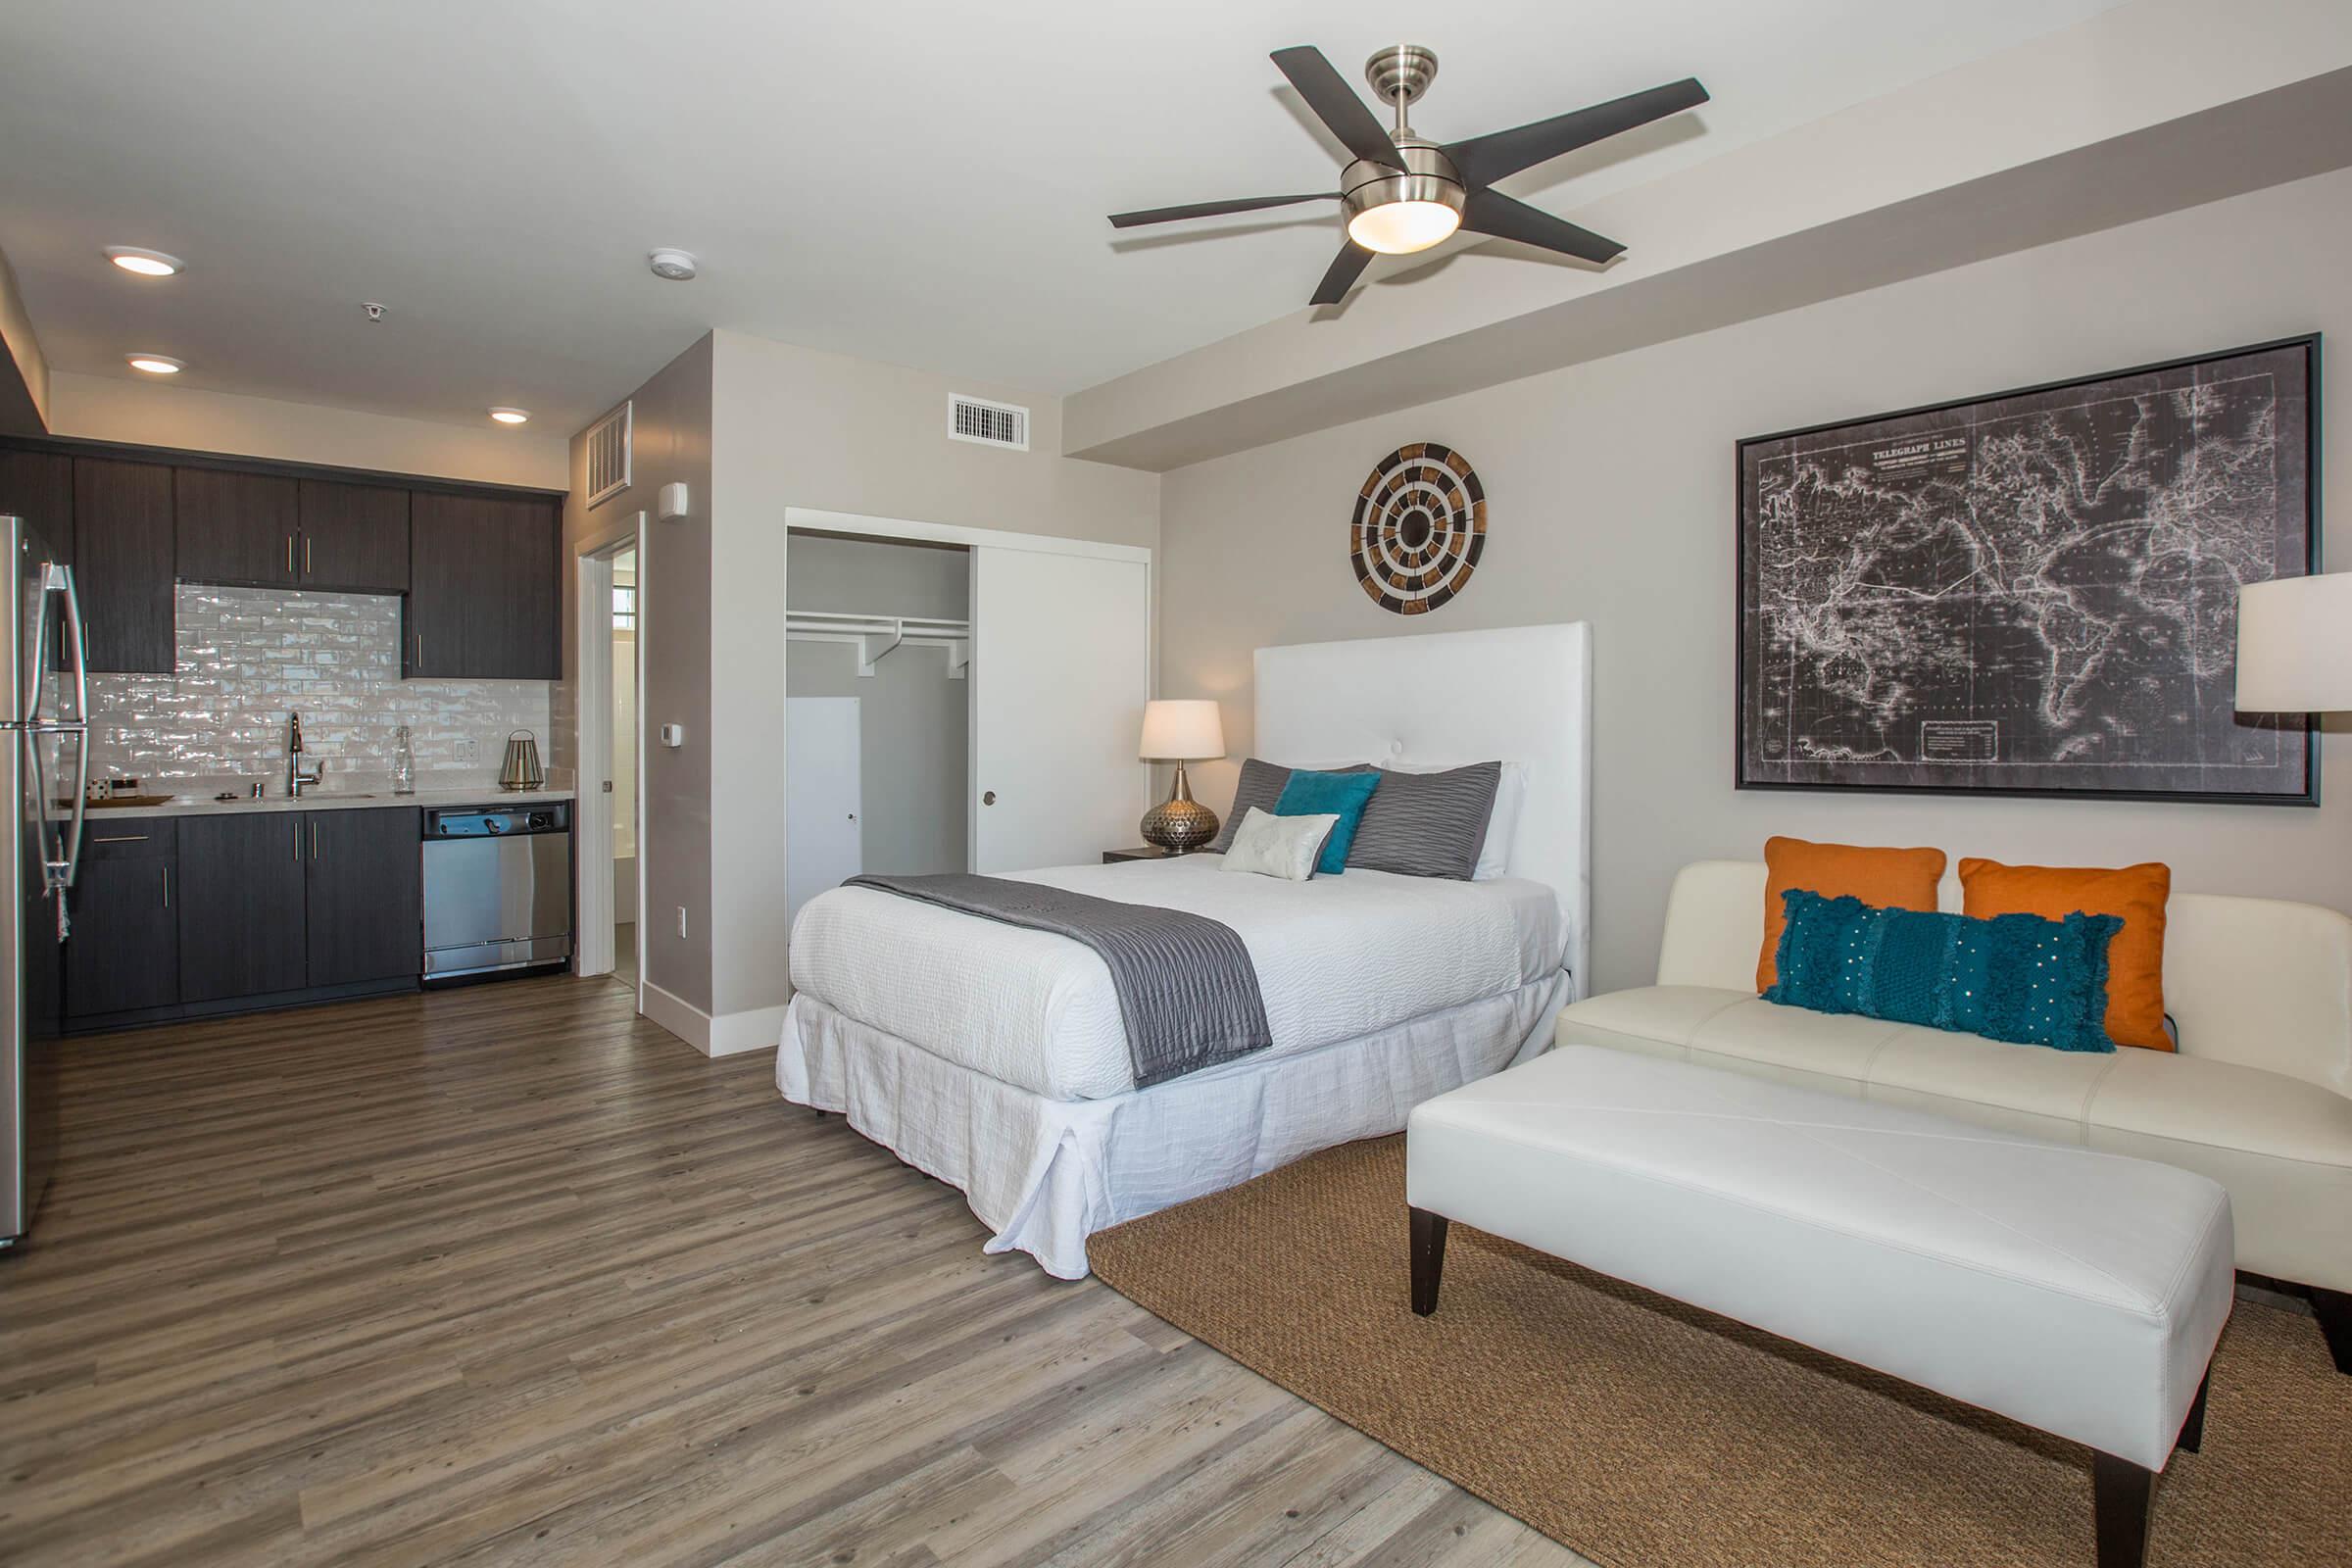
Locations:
38 486
354 537
239 528
483 587
122 563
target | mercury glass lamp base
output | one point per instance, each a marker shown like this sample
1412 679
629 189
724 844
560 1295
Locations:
1180 824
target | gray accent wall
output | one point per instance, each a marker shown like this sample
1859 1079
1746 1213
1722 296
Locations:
672 444
1612 491
913 739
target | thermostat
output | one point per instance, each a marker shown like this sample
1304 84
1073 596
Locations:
670 502
673 735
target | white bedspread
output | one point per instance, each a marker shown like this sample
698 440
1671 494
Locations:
1337 957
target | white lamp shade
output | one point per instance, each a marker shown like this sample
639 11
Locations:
1182 730
2294 645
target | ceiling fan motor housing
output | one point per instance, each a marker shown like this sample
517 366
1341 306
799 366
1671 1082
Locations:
1427 176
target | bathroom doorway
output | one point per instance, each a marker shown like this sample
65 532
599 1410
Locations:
623 850
609 653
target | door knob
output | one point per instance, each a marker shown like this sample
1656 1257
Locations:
989 799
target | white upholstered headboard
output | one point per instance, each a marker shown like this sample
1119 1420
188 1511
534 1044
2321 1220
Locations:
1520 694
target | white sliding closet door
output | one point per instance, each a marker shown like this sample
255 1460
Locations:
824 842
1062 666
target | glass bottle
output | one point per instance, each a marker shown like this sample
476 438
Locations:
403 762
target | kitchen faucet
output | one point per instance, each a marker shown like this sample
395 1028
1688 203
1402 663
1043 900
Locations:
297 779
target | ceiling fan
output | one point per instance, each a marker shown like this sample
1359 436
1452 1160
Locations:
1404 193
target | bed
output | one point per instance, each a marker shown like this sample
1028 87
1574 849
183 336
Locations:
993 1056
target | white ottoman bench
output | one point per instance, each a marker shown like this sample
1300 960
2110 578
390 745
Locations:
2076 1292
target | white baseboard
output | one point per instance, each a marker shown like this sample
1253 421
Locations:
726 1034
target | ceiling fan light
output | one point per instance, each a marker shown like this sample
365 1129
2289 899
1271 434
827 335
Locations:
1399 229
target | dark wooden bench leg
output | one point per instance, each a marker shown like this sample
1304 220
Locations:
2334 1309
1428 1259
2192 1430
2121 1493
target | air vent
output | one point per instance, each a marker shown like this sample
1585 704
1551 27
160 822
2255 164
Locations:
609 455
991 424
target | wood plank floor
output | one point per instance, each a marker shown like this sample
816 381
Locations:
507 1275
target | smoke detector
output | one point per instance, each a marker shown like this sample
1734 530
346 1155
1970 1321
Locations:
673 265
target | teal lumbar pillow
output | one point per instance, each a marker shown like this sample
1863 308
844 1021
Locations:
1340 795
2015 977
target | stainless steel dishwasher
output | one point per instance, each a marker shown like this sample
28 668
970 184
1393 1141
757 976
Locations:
496 889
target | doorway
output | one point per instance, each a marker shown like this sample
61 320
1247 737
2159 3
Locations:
623 852
612 629
1039 647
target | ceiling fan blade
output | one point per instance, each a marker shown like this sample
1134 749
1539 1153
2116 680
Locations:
1346 269
1336 103
1490 212
1484 160
1170 215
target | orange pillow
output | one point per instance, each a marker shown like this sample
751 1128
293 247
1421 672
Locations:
1891 879
2134 959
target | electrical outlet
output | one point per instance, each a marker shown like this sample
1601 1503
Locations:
468 754
681 921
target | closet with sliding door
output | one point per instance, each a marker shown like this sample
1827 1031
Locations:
959 700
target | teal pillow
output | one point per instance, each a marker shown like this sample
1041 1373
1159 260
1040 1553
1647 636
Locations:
1340 795
2014 977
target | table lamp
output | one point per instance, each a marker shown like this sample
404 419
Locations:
2294 645
1181 730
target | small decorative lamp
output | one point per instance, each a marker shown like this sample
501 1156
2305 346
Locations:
2294 645
1180 731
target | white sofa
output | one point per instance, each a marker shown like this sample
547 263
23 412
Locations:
2258 1097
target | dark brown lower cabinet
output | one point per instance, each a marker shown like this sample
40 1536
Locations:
241 905
181 916
124 952
366 895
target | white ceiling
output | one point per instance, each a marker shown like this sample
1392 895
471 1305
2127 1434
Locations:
918 183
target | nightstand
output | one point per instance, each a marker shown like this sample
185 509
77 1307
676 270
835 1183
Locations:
1142 851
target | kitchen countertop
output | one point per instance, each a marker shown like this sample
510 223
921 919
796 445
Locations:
328 801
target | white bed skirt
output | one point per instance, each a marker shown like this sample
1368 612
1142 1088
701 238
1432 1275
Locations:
1046 1174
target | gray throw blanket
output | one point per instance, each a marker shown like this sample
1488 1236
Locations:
1188 992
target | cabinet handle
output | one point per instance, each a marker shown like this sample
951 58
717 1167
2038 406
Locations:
313 838
306 555
120 838
298 844
166 887
289 552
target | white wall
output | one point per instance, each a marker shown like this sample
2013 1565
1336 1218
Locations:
25 404
793 426
913 725
1611 486
101 407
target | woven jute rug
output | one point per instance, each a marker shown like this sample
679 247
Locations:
1645 1434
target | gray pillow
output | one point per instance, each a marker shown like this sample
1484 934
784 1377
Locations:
1427 824
1261 785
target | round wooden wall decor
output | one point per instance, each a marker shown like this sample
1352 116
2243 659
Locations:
1419 527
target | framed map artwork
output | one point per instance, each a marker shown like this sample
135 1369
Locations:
2033 593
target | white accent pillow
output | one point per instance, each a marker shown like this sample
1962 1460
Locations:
1502 824
1285 846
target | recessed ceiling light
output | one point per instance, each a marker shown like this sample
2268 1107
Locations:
147 263
509 415
155 363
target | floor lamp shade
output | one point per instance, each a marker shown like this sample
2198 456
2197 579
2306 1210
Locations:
1181 730
2294 645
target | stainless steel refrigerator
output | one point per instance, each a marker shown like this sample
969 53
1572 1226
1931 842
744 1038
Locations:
44 771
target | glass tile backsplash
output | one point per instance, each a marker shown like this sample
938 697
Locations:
247 656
